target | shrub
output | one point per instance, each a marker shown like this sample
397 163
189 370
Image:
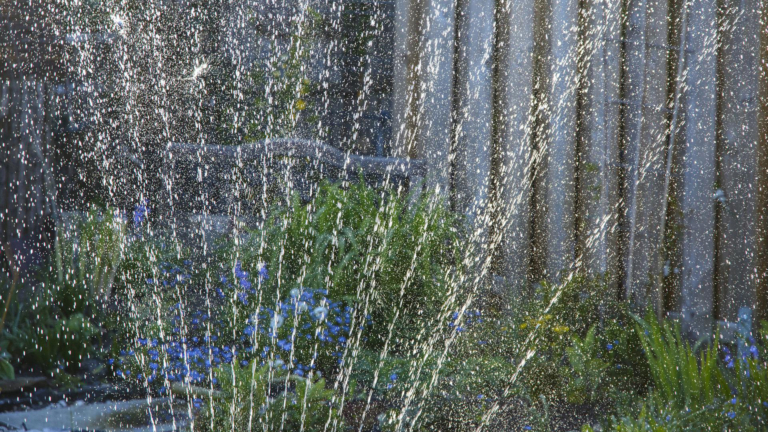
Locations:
267 399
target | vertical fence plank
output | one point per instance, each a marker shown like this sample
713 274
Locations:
762 190
5 158
698 171
647 35
515 148
738 157
600 157
473 136
436 116
23 155
559 152
634 89
404 75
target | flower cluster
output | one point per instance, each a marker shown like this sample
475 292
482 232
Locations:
140 213
468 318
745 355
243 284
305 331
172 274
302 326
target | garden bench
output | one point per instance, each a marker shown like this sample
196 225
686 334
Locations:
216 182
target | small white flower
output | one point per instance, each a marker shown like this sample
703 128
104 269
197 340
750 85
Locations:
302 307
320 312
276 321
295 292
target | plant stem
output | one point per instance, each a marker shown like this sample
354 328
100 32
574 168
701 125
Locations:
15 271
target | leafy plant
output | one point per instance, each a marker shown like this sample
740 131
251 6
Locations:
53 345
254 397
680 379
366 248
6 369
587 369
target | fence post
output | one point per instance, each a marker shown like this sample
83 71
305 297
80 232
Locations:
515 95
436 115
698 171
737 270
559 151
600 157
762 155
647 37
404 75
473 136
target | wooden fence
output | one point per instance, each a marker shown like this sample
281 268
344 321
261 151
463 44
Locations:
619 139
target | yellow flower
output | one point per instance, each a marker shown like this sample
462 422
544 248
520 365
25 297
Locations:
523 326
301 104
561 329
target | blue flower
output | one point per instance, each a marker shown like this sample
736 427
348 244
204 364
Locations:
393 377
245 283
243 297
729 361
731 414
239 270
609 347
140 213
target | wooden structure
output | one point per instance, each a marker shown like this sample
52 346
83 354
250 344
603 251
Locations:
628 143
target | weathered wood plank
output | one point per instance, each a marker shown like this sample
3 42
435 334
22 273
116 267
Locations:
298 148
435 126
600 157
762 154
645 142
515 138
664 275
739 117
559 153
473 136
407 18
698 171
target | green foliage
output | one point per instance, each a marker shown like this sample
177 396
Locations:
680 379
587 368
79 278
52 344
263 398
6 369
49 332
279 91
585 351
692 390
367 248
